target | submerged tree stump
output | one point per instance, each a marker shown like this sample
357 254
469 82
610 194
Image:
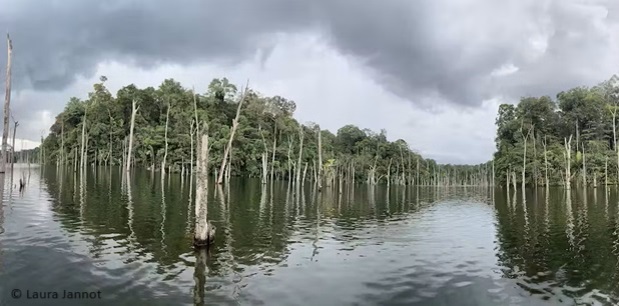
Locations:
204 230
199 242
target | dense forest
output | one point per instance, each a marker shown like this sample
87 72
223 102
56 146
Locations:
568 141
263 137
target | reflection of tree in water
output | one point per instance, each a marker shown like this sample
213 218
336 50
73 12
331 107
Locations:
2 178
565 255
199 276
615 250
115 214
163 220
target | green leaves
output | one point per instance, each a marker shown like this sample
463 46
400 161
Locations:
583 113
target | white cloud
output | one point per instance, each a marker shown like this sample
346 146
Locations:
24 144
505 69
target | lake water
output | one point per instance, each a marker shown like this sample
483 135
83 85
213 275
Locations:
281 246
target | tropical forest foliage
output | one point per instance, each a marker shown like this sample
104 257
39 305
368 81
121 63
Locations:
267 137
571 138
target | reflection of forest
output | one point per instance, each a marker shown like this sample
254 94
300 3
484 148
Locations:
558 243
150 223
256 223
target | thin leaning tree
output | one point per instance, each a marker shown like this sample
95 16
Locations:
235 124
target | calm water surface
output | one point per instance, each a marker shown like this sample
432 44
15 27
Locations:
276 245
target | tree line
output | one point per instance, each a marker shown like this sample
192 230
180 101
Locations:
249 135
570 140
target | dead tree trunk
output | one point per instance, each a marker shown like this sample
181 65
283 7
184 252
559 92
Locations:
134 110
319 169
584 166
545 143
83 144
507 178
389 173
301 136
204 231
7 104
304 173
273 155
191 159
514 181
535 174
110 154
265 154
197 128
493 173
62 157
417 180
15 125
606 172
289 160
613 112
165 152
191 134
568 162
524 159
235 124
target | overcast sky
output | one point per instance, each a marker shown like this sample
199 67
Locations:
432 72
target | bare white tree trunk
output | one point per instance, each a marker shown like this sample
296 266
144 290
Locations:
546 161
340 183
229 169
15 125
110 154
389 173
7 104
290 177
191 134
506 178
165 152
265 168
493 173
319 170
514 181
418 182
197 127
265 154
204 232
568 162
301 136
304 173
606 172
83 144
62 157
273 155
235 124
524 159
584 166
124 156
613 112
134 110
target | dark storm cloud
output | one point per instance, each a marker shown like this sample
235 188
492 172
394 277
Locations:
445 49
55 41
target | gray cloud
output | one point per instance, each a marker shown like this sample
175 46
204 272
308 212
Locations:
415 49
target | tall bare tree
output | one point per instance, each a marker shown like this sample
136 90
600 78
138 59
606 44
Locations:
134 110
235 124
7 104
